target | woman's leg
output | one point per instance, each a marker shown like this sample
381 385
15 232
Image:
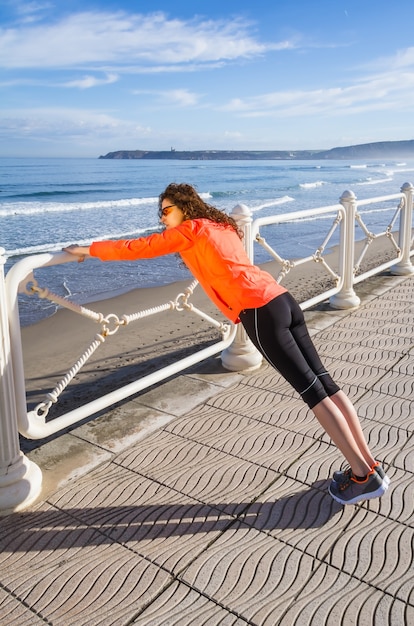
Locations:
337 427
347 409
349 438
279 331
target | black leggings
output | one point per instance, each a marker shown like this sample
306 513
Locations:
279 332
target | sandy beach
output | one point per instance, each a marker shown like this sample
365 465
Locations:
53 345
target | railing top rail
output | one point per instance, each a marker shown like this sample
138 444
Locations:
20 270
394 196
296 215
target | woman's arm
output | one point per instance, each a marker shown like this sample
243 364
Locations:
172 240
80 251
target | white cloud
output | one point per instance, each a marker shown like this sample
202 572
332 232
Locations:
182 97
232 135
177 97
31 11
55 123
387 91
91 81
118 39
403 58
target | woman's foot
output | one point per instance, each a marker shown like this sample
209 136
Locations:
342 475
353 490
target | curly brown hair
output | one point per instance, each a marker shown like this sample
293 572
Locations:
186 198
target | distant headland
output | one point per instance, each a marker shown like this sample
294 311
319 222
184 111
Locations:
378 150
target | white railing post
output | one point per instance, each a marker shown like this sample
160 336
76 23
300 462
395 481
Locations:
404 266
241 354
20 478
346 298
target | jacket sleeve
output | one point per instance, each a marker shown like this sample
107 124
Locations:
169 241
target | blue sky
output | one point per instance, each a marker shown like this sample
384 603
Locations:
83 78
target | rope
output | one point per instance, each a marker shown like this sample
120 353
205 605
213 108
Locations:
370 237
133 317
110 324
287 265
52 397
53 297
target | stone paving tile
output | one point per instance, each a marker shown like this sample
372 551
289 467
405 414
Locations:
281 412
406 364
332 597
273 446
107 590
358 354
289 413
386 409
179 605
391 313
252 571
316 464
249 401
254 441
400 342
378 551
395 298
208 425
397 504
383 303
405 457
42 537
304 517
12 611
366 324
67 573
166 527
272 408
268 378
396 384
385 441
207 475
344 334
357 373
390 338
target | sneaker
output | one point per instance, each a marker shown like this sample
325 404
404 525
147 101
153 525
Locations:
341 476
352 490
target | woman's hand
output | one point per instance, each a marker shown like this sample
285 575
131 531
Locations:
80 251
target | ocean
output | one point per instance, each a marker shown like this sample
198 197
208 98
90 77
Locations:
46 204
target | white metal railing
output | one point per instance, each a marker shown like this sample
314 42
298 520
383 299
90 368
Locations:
347 216
20 479
33 424
338 221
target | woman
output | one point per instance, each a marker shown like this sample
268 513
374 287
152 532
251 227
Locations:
210 245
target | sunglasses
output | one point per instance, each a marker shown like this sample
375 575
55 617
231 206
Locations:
167 210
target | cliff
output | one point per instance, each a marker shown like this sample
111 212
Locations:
378 150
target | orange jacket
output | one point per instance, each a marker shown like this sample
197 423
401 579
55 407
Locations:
213 253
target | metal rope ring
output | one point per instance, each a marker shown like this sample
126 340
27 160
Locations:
184 305
42 409
31 286
114 319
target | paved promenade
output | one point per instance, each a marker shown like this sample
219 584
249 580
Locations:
204 502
